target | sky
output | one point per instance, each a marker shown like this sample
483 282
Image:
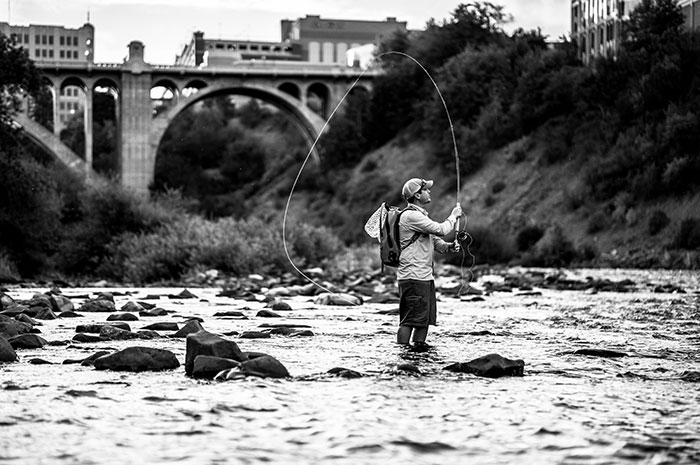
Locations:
165 26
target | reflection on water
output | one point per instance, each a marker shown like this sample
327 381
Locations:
568 409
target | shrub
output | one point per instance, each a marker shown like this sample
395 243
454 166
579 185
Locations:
597 222
519 155
688 234
587 251
657 221
497 187
8 270
527 237
555 249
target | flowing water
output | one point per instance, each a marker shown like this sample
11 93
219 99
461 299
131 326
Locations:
567 409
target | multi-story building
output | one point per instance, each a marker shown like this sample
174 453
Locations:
47 43
595 24
310 39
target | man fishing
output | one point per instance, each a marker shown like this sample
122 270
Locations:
418 240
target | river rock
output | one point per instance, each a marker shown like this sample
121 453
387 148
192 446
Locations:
279 305
268 314
264 367
7 352
26 319
207 366
192 327
27 341
122 317
44 313
6 301
344 373
157 311
10 327
206 343
113 333
343 299
138 359
62 303
131 307
97 305
490 366
69 314
185 294
606 353
96 328
89 361
255 335
163 326
82 337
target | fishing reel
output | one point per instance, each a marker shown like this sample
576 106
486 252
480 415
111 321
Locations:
462 236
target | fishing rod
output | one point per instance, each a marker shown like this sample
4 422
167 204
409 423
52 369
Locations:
460 236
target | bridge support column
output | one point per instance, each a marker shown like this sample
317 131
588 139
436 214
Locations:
88 130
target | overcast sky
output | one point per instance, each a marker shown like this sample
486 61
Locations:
164 26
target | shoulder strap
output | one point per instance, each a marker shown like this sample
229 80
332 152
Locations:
415 235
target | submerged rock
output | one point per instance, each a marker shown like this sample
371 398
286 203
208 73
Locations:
599 353
122 317
206 343
490 366
343 299
10 327
266 366
138 359
98 305
27 341
207 366
344 372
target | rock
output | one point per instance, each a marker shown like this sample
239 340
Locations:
192 327
206 343
344 299
86 361
255 335
384 298
7 352
409 368
147 334
279 305
131 307
185 294
690 376
69 314
207 366
97 328
26 319
164 326
27 341
264 367
39 361
344 373
45 314
490 366
97 305
138 359
153 312
82 337
122 317
235 313
10 327
6 301
267 314
113 333
108 296
302 333
599 353
62 303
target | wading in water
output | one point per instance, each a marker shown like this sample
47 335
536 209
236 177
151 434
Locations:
419 237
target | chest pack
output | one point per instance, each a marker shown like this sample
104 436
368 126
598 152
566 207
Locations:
384 226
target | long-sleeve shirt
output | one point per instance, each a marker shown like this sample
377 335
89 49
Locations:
416 261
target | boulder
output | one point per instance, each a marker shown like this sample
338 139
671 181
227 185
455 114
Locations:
45 314
206 343
97 305
10 327
157 311
255 335
138 359
344 373
82 337
87 361
279 305
122 317
131 307
490 366
62 303
7 353
27 341
113 333
192 327
264 367
267 314
96 328
163 326
207 366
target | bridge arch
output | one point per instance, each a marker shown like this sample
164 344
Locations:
291 89
309 123
318 97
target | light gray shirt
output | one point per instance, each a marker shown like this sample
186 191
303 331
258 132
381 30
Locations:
416 261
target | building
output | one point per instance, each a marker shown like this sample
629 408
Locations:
310 39
46 43
596 24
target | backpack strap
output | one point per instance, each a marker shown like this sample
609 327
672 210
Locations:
415 235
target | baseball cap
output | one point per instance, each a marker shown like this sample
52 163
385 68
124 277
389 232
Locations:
413 185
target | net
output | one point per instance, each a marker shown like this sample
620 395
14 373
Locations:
374 222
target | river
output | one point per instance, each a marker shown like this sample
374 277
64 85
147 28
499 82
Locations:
567 409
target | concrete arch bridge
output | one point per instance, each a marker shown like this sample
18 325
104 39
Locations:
293 87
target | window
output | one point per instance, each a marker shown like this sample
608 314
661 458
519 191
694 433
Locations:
62 40
75 41
43 53
43 40
37 39
26 38
62 105
62 54
50 53
37 52
50 40
75 54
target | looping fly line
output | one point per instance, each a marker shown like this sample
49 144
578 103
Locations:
318 137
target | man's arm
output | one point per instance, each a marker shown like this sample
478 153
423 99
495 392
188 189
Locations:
416 221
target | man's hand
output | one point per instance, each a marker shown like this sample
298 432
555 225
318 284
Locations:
456 212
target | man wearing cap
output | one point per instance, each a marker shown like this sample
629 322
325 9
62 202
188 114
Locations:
418 235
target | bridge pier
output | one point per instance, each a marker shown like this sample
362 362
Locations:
87 125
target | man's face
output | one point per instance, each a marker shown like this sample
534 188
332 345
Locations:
423 196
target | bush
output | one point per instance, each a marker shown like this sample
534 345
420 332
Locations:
688 234
497 187
527 237
8 270
657 221
597 222
555 249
